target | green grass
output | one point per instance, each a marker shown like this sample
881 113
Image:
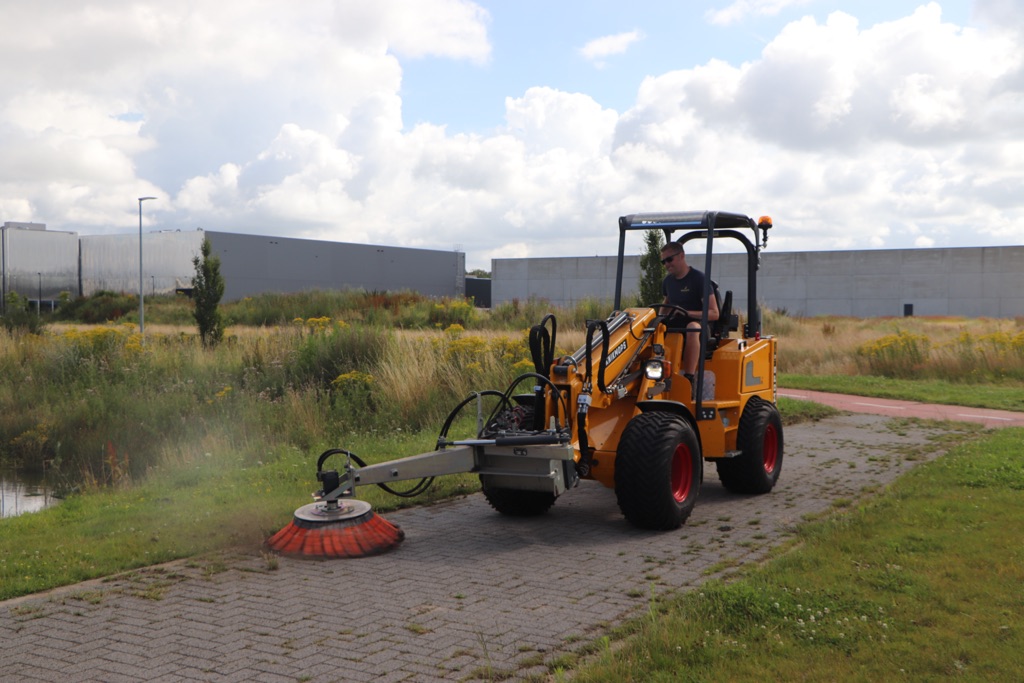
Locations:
919 583
795 410
194 508
1008 396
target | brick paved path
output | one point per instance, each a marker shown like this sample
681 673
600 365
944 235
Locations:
468 592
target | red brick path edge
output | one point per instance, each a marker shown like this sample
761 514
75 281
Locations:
894 408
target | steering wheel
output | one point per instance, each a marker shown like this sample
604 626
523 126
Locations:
676 307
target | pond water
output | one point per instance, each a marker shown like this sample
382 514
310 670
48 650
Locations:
22 492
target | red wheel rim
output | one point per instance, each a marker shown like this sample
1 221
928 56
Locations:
682 473
771 449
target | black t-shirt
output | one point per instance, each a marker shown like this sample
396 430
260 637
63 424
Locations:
687 291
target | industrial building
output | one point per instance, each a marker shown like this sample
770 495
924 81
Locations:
37 263
966 281
40 264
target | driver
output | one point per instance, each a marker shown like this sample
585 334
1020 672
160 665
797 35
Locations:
684 287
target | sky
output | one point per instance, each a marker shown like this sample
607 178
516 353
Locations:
517 129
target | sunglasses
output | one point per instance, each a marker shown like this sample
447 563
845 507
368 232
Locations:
668 259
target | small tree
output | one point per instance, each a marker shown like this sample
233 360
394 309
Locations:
652 273
207 290
18 317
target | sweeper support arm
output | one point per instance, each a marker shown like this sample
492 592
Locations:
542 462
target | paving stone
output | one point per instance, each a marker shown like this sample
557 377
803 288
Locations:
467 589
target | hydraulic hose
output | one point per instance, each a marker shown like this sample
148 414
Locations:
542 345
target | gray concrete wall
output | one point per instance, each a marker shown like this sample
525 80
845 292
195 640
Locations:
254 264
561 281
969 281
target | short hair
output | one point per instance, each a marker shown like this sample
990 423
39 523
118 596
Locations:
670 245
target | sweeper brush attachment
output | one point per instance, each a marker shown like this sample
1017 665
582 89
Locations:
349 528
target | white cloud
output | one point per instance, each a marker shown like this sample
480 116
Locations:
546 119
440 28
741 9
598 49
287 119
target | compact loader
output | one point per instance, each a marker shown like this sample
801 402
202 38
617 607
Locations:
617 411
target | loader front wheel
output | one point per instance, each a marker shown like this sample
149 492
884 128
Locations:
759 438
515 503
657 471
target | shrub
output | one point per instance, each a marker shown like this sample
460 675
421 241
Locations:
900 355
18 317
103 306
328 351
448 312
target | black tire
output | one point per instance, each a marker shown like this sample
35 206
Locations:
759 437
657 471
516 503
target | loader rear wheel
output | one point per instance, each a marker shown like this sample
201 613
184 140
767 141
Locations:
516 503
759 438
657 471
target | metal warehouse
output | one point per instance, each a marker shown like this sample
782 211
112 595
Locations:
40 264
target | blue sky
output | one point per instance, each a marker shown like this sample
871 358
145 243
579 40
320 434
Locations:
539 43
513 129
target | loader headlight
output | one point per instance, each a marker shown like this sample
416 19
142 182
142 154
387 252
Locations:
657 369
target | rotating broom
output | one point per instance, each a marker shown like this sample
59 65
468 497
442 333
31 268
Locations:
337 525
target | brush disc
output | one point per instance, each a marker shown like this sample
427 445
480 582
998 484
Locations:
352 529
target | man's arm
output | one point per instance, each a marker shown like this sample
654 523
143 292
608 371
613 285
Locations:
713 312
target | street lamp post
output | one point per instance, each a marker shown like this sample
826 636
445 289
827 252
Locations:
142 307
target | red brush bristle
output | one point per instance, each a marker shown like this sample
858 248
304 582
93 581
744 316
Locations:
368 534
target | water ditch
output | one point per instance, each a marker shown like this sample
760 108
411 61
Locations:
22 492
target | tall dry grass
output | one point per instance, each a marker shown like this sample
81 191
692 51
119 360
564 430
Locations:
955 349
102 407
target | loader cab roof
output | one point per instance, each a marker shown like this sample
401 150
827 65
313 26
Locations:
686 220
710 226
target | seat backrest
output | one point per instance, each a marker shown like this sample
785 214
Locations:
727 320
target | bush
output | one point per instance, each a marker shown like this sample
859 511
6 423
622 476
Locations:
516 314
332 349
103 306
895 355
18 316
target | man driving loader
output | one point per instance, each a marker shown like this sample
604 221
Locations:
684 287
